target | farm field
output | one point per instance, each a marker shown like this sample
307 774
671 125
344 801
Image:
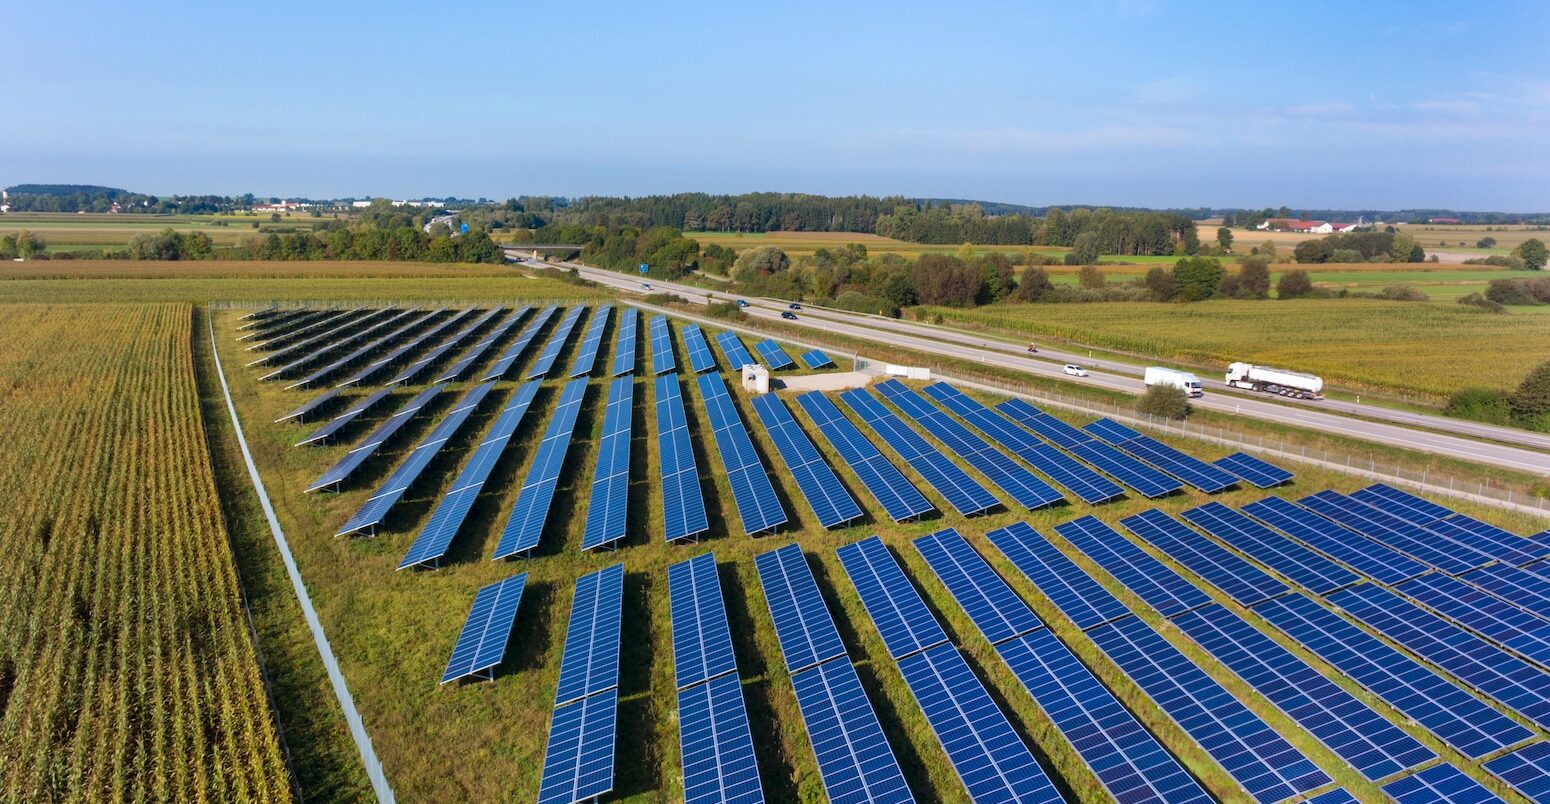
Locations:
394 630
1425 349
70 232
127 671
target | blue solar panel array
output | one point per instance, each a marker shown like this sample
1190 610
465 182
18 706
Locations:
526 523
307 408
1261 760
1510 681
995 609
1511 627
882 479
1366 557
1348 727
609 506
1527 590
482 643
338 364
1240 580
555 344
1260 473
1394 532
1527 770
1144 479
579 760
334 425
414 369
477 351
700 358
514 350
592 340
1050 428
816 359
341 471
1456 717
898 611
1085 483
1439 783
853 756
382 363
1502 545
300 357
737 355
1306 568
1078 595
683 503
393 489
431 545
702 639
1022 485
662 360
774 356
1204 476
297 354
949 481
757 506
820 487
589 664
1413 509
624 342
1145 576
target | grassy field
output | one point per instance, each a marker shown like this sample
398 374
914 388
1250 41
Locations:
127 670
71 232
394 630
1429 350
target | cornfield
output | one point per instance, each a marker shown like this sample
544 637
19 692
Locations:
127 670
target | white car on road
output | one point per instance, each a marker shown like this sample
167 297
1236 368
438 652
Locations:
1074 370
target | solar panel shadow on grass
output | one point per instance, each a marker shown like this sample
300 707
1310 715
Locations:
962 492
757 506
820 487
683 502
525 525
482 643
881 479
341 471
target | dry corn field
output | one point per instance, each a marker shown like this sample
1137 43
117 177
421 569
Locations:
127 670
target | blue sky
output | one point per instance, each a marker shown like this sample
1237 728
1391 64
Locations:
1123 102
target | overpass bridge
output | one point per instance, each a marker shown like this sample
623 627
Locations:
531 250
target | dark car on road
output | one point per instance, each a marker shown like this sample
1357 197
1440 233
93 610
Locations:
794 306
789 314
742 302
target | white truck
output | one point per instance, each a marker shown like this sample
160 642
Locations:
1182 380
1275 381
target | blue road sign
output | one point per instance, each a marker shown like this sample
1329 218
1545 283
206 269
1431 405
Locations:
644 267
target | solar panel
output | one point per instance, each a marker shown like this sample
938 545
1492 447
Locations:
1022 485
774 356
555 344
579 760
757 506
1111 431
1498 621
1261 474
514 350
322 322
414 369
384 362
1524 589
477 350
1085 483
1362 555
340 363
297 353
1394 532
1338 795
1526 770
303 355
526 523
590 661
990 759
1456 717
1348 727
1304 567
820 487
737 356
482 643
961 491
700 358
1150 482
393 489
1050 428
334 425
1502 545
1484 668
1240 580
341 471
1193 471
1258 758
995 609
1159 586
1412 509
1127 759
854 757
310 406
717 749
816 359
882 479
609 507
803 624
624 342
661 346
1078 595
683 503
901 616
702 640
1443 782
447 518
591 340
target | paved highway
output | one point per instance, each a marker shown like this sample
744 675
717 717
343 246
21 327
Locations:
1120 377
